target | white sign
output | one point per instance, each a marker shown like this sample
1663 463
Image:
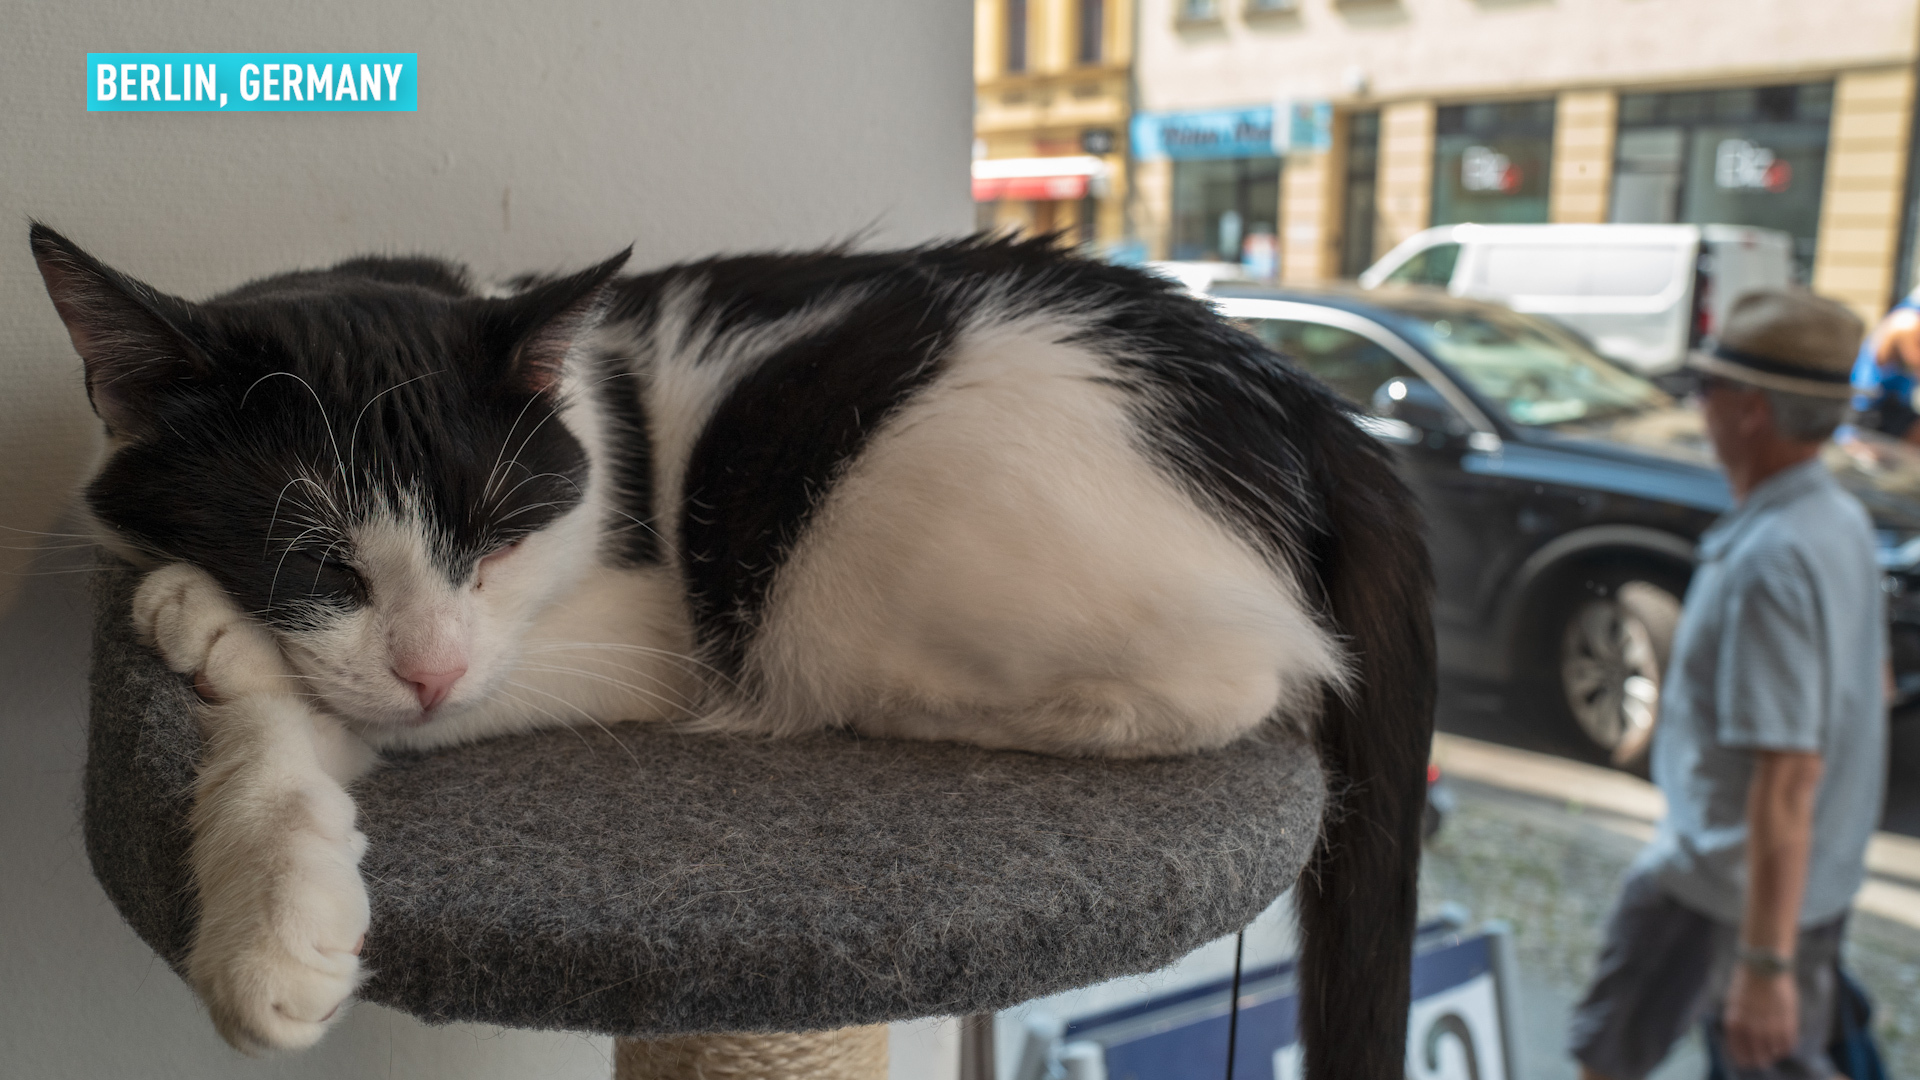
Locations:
1739 165
1484 169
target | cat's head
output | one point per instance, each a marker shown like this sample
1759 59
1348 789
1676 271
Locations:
389 472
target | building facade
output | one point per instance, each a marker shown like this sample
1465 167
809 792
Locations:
1394 115
1053 92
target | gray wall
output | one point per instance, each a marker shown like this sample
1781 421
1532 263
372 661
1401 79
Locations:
549 134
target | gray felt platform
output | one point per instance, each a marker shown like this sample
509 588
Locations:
647 883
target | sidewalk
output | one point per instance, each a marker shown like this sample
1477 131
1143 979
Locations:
1892 890
1544 843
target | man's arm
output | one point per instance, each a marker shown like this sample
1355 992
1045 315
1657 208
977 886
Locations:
1763 1010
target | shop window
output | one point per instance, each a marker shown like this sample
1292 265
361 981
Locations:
1093 30
1747 156
1016 36
1491 162
1359 202
1225 208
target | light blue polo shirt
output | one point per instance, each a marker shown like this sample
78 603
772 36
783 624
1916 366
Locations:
1780 647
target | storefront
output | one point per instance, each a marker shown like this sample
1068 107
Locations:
1225 184
1747 156
1492 162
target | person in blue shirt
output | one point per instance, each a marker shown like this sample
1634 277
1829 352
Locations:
1884 373
1771 745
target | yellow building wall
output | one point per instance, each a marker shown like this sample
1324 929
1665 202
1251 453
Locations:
1866 177
1405 186
1309 217
1584 126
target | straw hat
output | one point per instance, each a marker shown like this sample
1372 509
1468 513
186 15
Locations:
1788 340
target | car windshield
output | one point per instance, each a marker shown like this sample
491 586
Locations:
1536 373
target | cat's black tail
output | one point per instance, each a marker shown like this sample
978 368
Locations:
1357 899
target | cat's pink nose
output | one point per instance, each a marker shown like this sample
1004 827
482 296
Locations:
431 687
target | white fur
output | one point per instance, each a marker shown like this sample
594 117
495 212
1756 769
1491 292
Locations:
275 852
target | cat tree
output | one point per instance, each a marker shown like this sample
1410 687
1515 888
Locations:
726 906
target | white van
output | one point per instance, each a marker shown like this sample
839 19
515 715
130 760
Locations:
1643 294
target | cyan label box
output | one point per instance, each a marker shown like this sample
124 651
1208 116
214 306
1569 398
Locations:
253 82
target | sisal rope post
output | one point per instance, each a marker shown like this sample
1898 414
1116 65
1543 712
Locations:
853 1053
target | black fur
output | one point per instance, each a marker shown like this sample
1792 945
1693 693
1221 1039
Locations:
229 401
778 442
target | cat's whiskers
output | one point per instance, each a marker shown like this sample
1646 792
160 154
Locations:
685 707
649 650
339 462
353 437
499 470
273 588
590 718
41 532
274 519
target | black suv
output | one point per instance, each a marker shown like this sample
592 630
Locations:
1563 493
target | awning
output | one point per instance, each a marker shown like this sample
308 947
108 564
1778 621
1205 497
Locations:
1066 177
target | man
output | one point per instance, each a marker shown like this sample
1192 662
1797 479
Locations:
1772 738
1883 374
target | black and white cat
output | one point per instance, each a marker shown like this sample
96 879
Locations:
985 491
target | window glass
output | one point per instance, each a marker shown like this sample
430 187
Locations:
1218 205
1093 28
1433 266
1016 35
1359 206
1533 372
1352 364
1491 162
1746 156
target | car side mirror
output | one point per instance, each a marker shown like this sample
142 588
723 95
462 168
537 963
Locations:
1418 403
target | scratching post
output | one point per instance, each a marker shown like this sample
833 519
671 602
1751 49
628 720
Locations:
854 1053
660 887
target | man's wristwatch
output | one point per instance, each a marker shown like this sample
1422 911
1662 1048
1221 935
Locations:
1764 961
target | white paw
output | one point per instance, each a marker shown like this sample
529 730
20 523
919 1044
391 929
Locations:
275 953
184 613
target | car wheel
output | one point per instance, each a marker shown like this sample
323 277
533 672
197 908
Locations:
1614 638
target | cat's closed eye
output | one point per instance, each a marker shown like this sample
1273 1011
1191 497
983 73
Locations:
493 559
323 573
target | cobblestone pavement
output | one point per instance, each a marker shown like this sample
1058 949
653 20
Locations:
1552 870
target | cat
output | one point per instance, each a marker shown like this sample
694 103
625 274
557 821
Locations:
984 491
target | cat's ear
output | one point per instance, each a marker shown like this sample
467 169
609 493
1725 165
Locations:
125 332
531 334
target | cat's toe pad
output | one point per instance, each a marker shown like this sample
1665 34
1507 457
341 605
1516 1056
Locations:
197 629
276 954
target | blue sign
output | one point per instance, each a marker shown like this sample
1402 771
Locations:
1309 125
1204 136
253 82
1456 1028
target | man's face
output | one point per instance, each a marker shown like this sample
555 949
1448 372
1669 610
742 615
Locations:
1732 413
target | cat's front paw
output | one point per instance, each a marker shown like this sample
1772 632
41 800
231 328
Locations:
276 951
197 628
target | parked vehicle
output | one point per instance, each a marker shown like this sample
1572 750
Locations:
1642 294
1563 494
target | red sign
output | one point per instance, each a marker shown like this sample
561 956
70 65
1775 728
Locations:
1030 187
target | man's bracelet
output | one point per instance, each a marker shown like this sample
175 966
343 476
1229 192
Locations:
1764 961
